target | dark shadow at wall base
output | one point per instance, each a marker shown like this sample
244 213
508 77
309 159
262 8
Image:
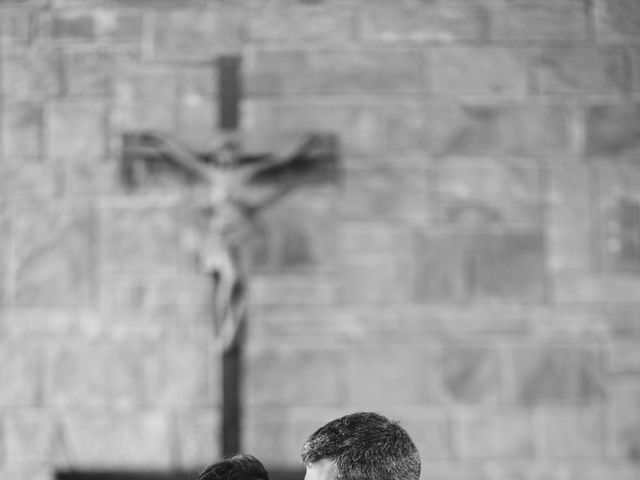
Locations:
125 475
274 474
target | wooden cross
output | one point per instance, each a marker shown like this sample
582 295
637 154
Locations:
238 186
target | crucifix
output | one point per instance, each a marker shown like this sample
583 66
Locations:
237 187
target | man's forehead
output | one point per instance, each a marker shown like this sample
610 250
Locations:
325 469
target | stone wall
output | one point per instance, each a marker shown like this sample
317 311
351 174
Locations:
475 274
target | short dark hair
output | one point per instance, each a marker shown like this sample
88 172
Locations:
365 446
239 467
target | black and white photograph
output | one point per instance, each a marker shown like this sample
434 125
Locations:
319 239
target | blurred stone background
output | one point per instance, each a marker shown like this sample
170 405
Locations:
475 274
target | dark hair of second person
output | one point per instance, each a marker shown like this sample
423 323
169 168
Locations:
239 467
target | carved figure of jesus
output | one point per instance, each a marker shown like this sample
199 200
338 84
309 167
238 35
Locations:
238 187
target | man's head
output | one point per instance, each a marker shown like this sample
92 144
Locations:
238 467
361 446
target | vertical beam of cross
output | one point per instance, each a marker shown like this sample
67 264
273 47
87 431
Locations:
229 94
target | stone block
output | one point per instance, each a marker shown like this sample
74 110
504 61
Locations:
385 193
283 245
15 27
22 130
197 441
268 124
624 408
20 374
304 322
375 380
71 25
456 266
270 72
635 69
513 129
133 440
26 472
86 178
510 266
260 133
486 192
5 238
140 239
297 234
368 239
53 253
163 301
621 243
295 376
86 71
293 289
33 72
620 320
20 180
617 19
144 98
30 436
508 434
614 180
197 119
625 357
364 124
538 130
465 129
572 287
77 130
134 373
419 21
472 374
408 127
20 322
374 260
78 375
474 214
573 433
581 70
375 280
569 214
479 70
197 34
612 129
598 470
332 71
557 375
442 266
572 320
616 210
115 25
190 374
540 22
470 318
374 71
328 22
